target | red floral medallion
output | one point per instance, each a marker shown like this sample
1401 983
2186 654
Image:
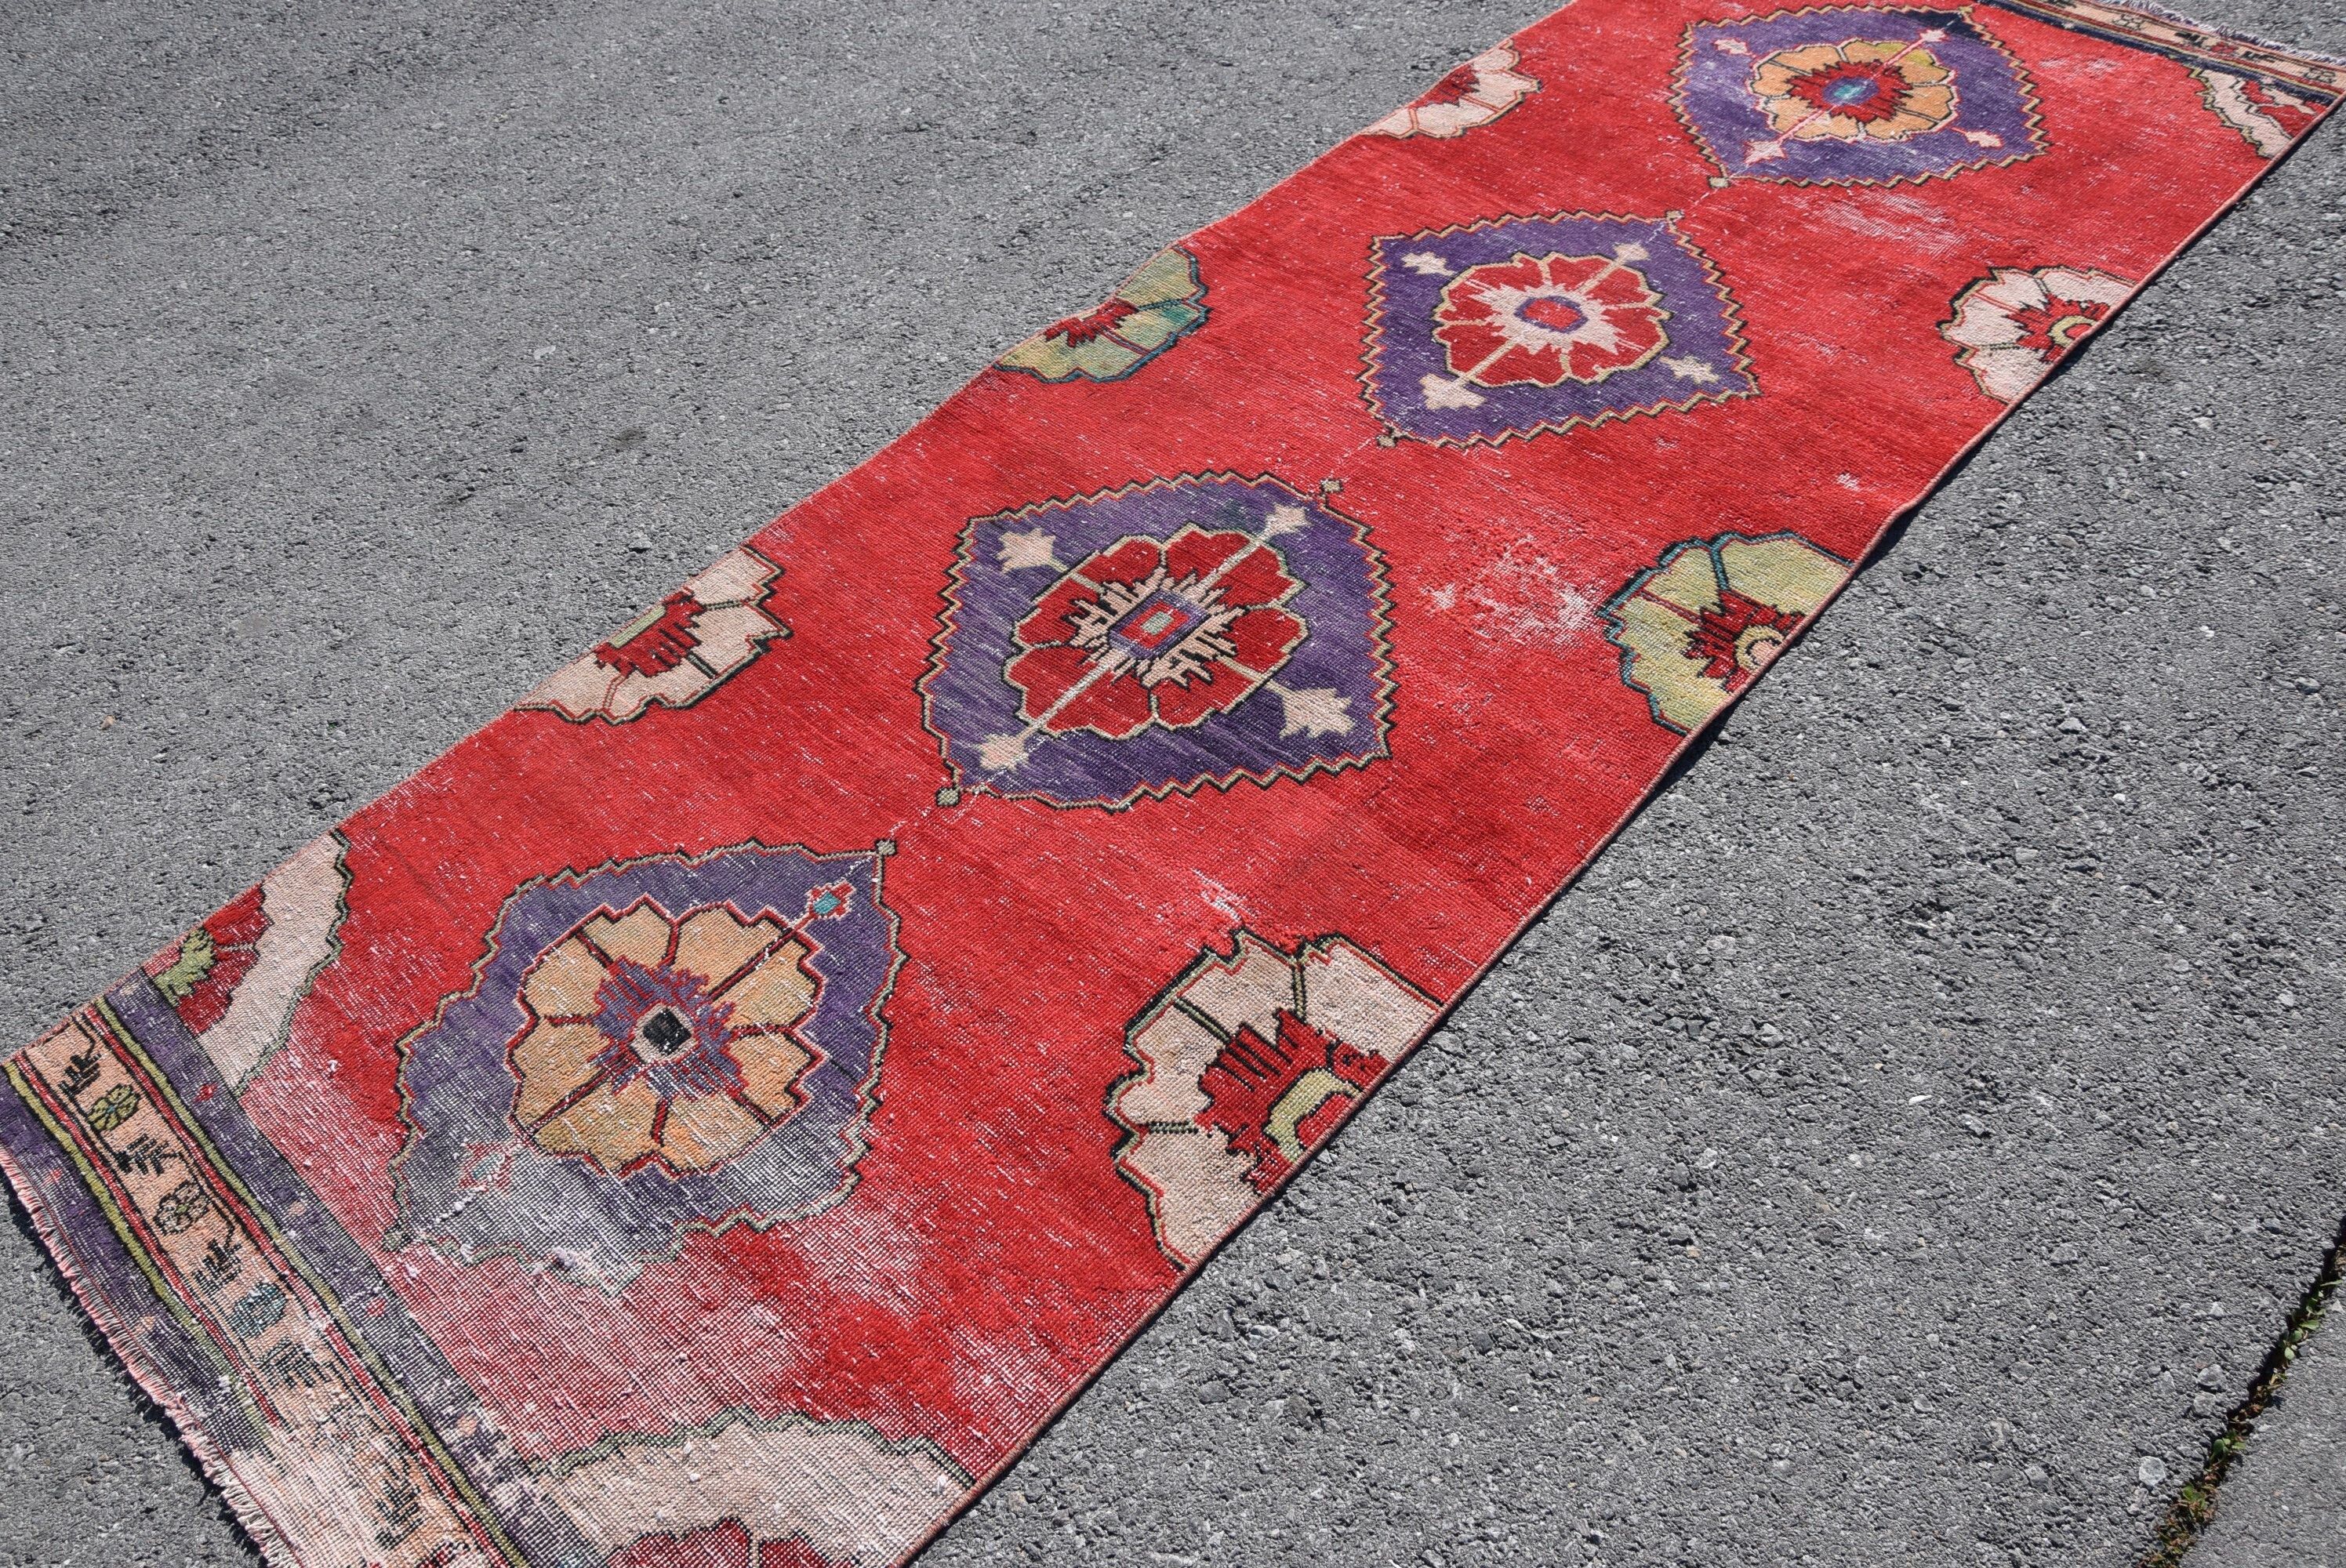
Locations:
1853 89
1148 633
1547 319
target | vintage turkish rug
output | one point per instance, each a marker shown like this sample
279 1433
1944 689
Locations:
717 1113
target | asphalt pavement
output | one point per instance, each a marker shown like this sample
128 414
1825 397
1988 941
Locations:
1902 1145
2284 1505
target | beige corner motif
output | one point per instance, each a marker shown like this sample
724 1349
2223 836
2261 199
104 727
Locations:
783 1490
1247 1062
675 653
1698 627
1473 95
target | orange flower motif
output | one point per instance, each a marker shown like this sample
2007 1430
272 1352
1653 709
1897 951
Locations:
654 1038
1879 89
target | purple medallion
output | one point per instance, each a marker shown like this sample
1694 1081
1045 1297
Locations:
1171 635
1854 95
671 1043
1517 325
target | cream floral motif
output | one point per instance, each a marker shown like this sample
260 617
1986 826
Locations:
851 1496
2014 324
1247 1062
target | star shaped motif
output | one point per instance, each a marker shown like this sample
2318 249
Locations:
1032 548
1314 711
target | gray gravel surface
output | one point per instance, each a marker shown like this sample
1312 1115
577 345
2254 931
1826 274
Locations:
1899 1147
2285 1504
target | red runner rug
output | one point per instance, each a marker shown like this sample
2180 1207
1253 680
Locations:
718 1112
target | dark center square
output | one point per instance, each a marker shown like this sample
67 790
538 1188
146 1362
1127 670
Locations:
665 1032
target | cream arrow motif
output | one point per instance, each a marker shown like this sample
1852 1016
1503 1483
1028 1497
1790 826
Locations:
1286 519
1441 392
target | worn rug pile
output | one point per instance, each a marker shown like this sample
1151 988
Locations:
718 1112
